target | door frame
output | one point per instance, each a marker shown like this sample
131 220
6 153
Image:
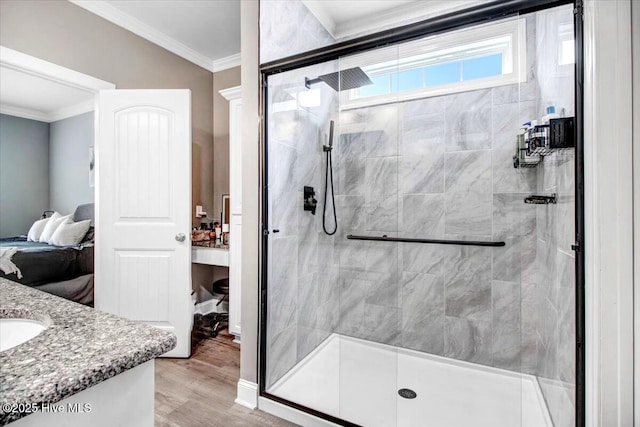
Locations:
439 24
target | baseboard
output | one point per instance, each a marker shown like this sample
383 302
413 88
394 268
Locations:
247 394
291 414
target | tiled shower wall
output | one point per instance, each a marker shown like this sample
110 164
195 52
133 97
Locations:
302 281
554 305
438 167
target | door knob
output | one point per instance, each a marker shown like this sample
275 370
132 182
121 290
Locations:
180 237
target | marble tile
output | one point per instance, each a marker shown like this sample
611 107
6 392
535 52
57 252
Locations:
468 121
565 222
285 199
468 171
508 119
379 126
381 200
548 357
349 166
423 215
285 127
467 278
507 351
283 283
308 259
353 292
310 164
351 254
384 289
422 135
381 257
528 259
281 353
468 213
507 179
382 324
287 28
566 336
530 314
421 258
307 300
507 261
469 340
351 214
521 92
424 106
422 174
512 217
422 312
306 340
559 399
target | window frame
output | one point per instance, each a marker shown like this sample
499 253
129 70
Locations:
387 59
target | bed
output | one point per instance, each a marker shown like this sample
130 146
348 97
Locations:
66 271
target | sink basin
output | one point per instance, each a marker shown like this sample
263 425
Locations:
14 332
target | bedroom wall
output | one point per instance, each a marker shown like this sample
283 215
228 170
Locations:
69 142
67 35
24 173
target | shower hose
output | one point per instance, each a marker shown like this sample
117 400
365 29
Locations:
329 176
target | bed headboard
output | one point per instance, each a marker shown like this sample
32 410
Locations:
84 212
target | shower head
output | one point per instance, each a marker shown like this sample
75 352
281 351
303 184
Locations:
342 80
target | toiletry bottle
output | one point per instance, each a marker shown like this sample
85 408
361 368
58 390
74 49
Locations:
551 114
218 234
225 234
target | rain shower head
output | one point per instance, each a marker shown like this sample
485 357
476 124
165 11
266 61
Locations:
342 80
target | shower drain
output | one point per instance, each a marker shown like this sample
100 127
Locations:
407 393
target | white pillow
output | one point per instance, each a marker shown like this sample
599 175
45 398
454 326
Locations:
70 233
36 229
51 227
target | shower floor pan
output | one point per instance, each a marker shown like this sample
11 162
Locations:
358 381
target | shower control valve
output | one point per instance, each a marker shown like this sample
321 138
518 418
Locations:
310 201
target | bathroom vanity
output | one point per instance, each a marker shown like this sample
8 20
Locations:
76 366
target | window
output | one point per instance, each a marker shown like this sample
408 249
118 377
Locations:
481 57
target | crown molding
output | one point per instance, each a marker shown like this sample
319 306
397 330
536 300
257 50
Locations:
393 17
53 116
226 63
25 113
128 22
231 93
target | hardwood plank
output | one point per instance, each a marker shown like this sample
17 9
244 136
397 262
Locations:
200 391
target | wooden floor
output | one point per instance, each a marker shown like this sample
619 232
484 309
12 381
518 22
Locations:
200 391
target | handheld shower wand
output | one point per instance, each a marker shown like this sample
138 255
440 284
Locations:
329 175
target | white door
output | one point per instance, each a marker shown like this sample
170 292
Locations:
143 209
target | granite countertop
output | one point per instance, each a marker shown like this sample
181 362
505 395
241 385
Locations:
209 244
80 348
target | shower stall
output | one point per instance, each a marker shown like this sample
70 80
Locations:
419 228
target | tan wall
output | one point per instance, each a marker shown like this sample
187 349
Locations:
67 35
221 80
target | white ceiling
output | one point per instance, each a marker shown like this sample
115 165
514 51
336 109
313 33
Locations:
344 19
205 32
29 96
